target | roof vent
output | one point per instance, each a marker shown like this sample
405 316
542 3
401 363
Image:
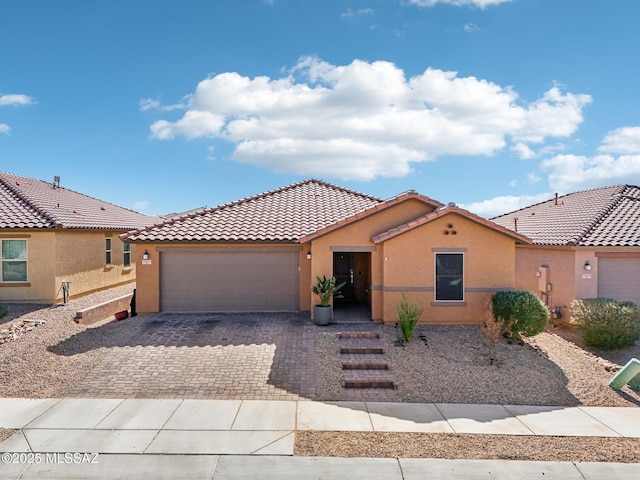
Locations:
56 182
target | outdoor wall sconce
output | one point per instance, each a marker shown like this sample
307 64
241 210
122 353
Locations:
309 255
587 265
145 255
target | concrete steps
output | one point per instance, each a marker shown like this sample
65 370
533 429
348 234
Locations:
364 364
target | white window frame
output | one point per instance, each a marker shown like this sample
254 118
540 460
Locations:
108 251
435 277
126 255
9 260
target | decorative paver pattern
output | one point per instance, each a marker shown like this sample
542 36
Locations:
261 356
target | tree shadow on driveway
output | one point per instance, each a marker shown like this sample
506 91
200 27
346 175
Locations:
267 356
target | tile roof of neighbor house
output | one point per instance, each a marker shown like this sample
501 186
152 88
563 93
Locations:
282 215
608 216
30 203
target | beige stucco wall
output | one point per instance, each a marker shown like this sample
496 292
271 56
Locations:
409 266
40 268
78 256
80 259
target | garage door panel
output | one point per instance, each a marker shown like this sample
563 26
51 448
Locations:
229 281
619 278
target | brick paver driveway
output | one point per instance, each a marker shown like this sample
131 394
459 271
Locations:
268 356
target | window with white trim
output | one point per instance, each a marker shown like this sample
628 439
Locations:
14 260
126 255
107 249
449 277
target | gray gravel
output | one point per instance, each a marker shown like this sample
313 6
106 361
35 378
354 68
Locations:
454 367
28 368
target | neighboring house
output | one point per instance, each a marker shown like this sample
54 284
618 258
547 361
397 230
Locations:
585 244
50 235
264 253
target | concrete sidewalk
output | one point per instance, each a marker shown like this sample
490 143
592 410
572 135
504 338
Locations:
220 439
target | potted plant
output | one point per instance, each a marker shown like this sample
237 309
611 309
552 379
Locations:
325 288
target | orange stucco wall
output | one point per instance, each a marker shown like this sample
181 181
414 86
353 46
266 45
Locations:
408 265
76 256
566 273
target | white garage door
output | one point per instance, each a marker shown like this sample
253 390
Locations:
619 278
219 281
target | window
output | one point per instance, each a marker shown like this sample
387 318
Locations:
14 260
449 276
107 246
127 255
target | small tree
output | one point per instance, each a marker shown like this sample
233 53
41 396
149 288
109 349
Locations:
523 312
408 316
492 328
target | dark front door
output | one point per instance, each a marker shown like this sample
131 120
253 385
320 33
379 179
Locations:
343 270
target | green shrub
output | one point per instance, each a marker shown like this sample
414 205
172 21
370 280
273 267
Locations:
605 323
408 316
3 311
522 312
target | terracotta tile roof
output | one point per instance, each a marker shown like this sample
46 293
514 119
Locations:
608 216
30 203
441 212
282 215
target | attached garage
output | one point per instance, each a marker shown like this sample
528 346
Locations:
229 279
619 278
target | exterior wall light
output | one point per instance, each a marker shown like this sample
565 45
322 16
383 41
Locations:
587 265
145 255
309 255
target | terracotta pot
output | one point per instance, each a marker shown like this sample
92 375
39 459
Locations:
121 315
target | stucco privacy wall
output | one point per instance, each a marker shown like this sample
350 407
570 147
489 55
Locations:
81 260
408 265
41 254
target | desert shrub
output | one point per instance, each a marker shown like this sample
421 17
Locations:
522 312
606 323
492 328
408 315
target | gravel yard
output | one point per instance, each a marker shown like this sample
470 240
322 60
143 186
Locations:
452 366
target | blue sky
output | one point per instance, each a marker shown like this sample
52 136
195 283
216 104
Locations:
164 106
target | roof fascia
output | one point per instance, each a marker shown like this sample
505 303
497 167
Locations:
443 212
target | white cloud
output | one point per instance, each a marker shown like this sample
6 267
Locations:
141 205
365 120
357 13
617 163
155 104
504 204
457 3
15 100
624 140
554 115
471 27
533 178
4 129
523 151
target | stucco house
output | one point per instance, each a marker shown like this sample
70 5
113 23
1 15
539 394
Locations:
50 235
585 244
264 253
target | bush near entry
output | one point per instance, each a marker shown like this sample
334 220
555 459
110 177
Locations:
606 323
522 312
